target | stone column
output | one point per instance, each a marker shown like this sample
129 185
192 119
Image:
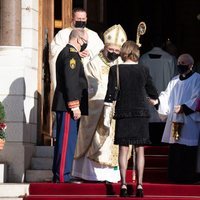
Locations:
10 23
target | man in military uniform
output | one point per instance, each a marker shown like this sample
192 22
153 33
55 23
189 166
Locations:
69 103
95 44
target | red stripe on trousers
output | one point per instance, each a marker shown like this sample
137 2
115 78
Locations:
64 147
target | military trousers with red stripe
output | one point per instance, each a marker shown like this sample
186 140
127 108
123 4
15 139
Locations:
66 137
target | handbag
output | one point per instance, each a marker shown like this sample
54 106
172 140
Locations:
117 89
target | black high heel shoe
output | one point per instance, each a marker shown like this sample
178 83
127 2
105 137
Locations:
139 191
123 191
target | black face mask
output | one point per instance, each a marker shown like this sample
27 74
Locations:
80 24
83 47
182 68
112 56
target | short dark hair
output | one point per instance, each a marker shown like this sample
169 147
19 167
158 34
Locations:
77 33
75 10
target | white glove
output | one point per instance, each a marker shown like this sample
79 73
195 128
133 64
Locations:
108 115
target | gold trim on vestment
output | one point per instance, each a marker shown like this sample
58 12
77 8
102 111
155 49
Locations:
103 59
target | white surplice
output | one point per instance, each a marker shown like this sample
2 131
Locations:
181 92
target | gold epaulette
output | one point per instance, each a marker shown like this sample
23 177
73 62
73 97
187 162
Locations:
73 104
71 49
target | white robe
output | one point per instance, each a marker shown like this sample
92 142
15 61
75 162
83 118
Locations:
180 92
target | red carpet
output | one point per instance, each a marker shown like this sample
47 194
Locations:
156 185
98 191
107 198
111 189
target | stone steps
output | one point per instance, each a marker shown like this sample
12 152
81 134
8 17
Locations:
38 175
40 171
41 165
13 191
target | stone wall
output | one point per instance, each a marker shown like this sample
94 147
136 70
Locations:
18 92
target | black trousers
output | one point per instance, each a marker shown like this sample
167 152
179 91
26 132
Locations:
183 163
156 130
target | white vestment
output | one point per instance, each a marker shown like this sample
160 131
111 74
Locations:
96 157
181 92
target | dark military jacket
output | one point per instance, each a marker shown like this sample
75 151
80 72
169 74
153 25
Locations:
71 89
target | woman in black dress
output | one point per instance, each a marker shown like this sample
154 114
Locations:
131 111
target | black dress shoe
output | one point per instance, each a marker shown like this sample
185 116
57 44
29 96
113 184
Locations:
123 192
55 180
139 191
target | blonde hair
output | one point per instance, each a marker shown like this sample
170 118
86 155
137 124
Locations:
130 50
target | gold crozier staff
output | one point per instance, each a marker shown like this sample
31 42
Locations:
141 29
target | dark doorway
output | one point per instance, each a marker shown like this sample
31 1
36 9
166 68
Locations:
78 4
172 19
158 15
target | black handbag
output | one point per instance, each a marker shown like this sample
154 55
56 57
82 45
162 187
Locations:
117 89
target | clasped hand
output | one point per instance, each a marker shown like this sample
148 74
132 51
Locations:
76 114
178 109
152 102
84 53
